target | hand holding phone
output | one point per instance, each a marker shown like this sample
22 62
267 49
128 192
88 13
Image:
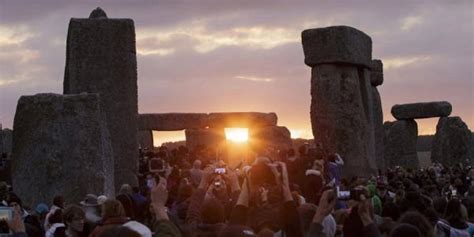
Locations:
220 171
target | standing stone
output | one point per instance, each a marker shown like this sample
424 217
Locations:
341 96
208 137
400 144
7 135
376 72
172 121
241 119
376 79
1 139
101 58
145 139
277 137
61 146
421 110
451 144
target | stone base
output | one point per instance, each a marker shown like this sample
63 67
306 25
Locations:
61 146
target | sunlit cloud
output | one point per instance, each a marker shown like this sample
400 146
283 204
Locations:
159 52
410 22
18 55
205 40
14 35
22 76
252 78
301 133
392 63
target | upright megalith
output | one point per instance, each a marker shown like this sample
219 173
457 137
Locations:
400 144
242 119
341 96
101 58
206 137
451 144
145 139
277 137
422 110
6 141
376 79
171 121
61 145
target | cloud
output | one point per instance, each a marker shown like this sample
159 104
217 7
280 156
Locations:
397 62
190 53
206 40
410 22
256 79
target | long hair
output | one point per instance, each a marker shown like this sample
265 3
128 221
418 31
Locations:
112 208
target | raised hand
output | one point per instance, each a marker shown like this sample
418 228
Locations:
326 205
16 224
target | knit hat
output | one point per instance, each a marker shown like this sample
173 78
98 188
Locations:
41 208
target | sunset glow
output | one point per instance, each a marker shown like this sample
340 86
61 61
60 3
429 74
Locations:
238 135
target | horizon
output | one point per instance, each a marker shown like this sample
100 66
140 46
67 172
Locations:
240 56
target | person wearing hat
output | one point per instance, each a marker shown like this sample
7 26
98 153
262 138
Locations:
91 208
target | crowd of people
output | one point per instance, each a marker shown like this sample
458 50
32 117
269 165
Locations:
280 193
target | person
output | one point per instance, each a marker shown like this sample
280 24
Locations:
56 224
113 214
125 197
195 173
334 167
74 218
405 230
58 204
455 221
91 208
163 225
420 221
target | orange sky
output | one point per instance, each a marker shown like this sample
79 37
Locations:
226 56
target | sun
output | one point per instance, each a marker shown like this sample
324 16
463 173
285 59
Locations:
238 135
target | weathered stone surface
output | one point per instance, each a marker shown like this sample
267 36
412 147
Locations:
6 135
451 144
341 115
98 13
1 139
145 139
61 145
378 127
276 137
336 44
421 110
376 72
5 140
101 58
208 137
242 119
171 121
400 144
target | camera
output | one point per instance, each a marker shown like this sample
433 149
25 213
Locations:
6 214
220 171
156 165
353 194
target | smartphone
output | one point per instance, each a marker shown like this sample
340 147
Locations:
343 195
220 171
156 165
